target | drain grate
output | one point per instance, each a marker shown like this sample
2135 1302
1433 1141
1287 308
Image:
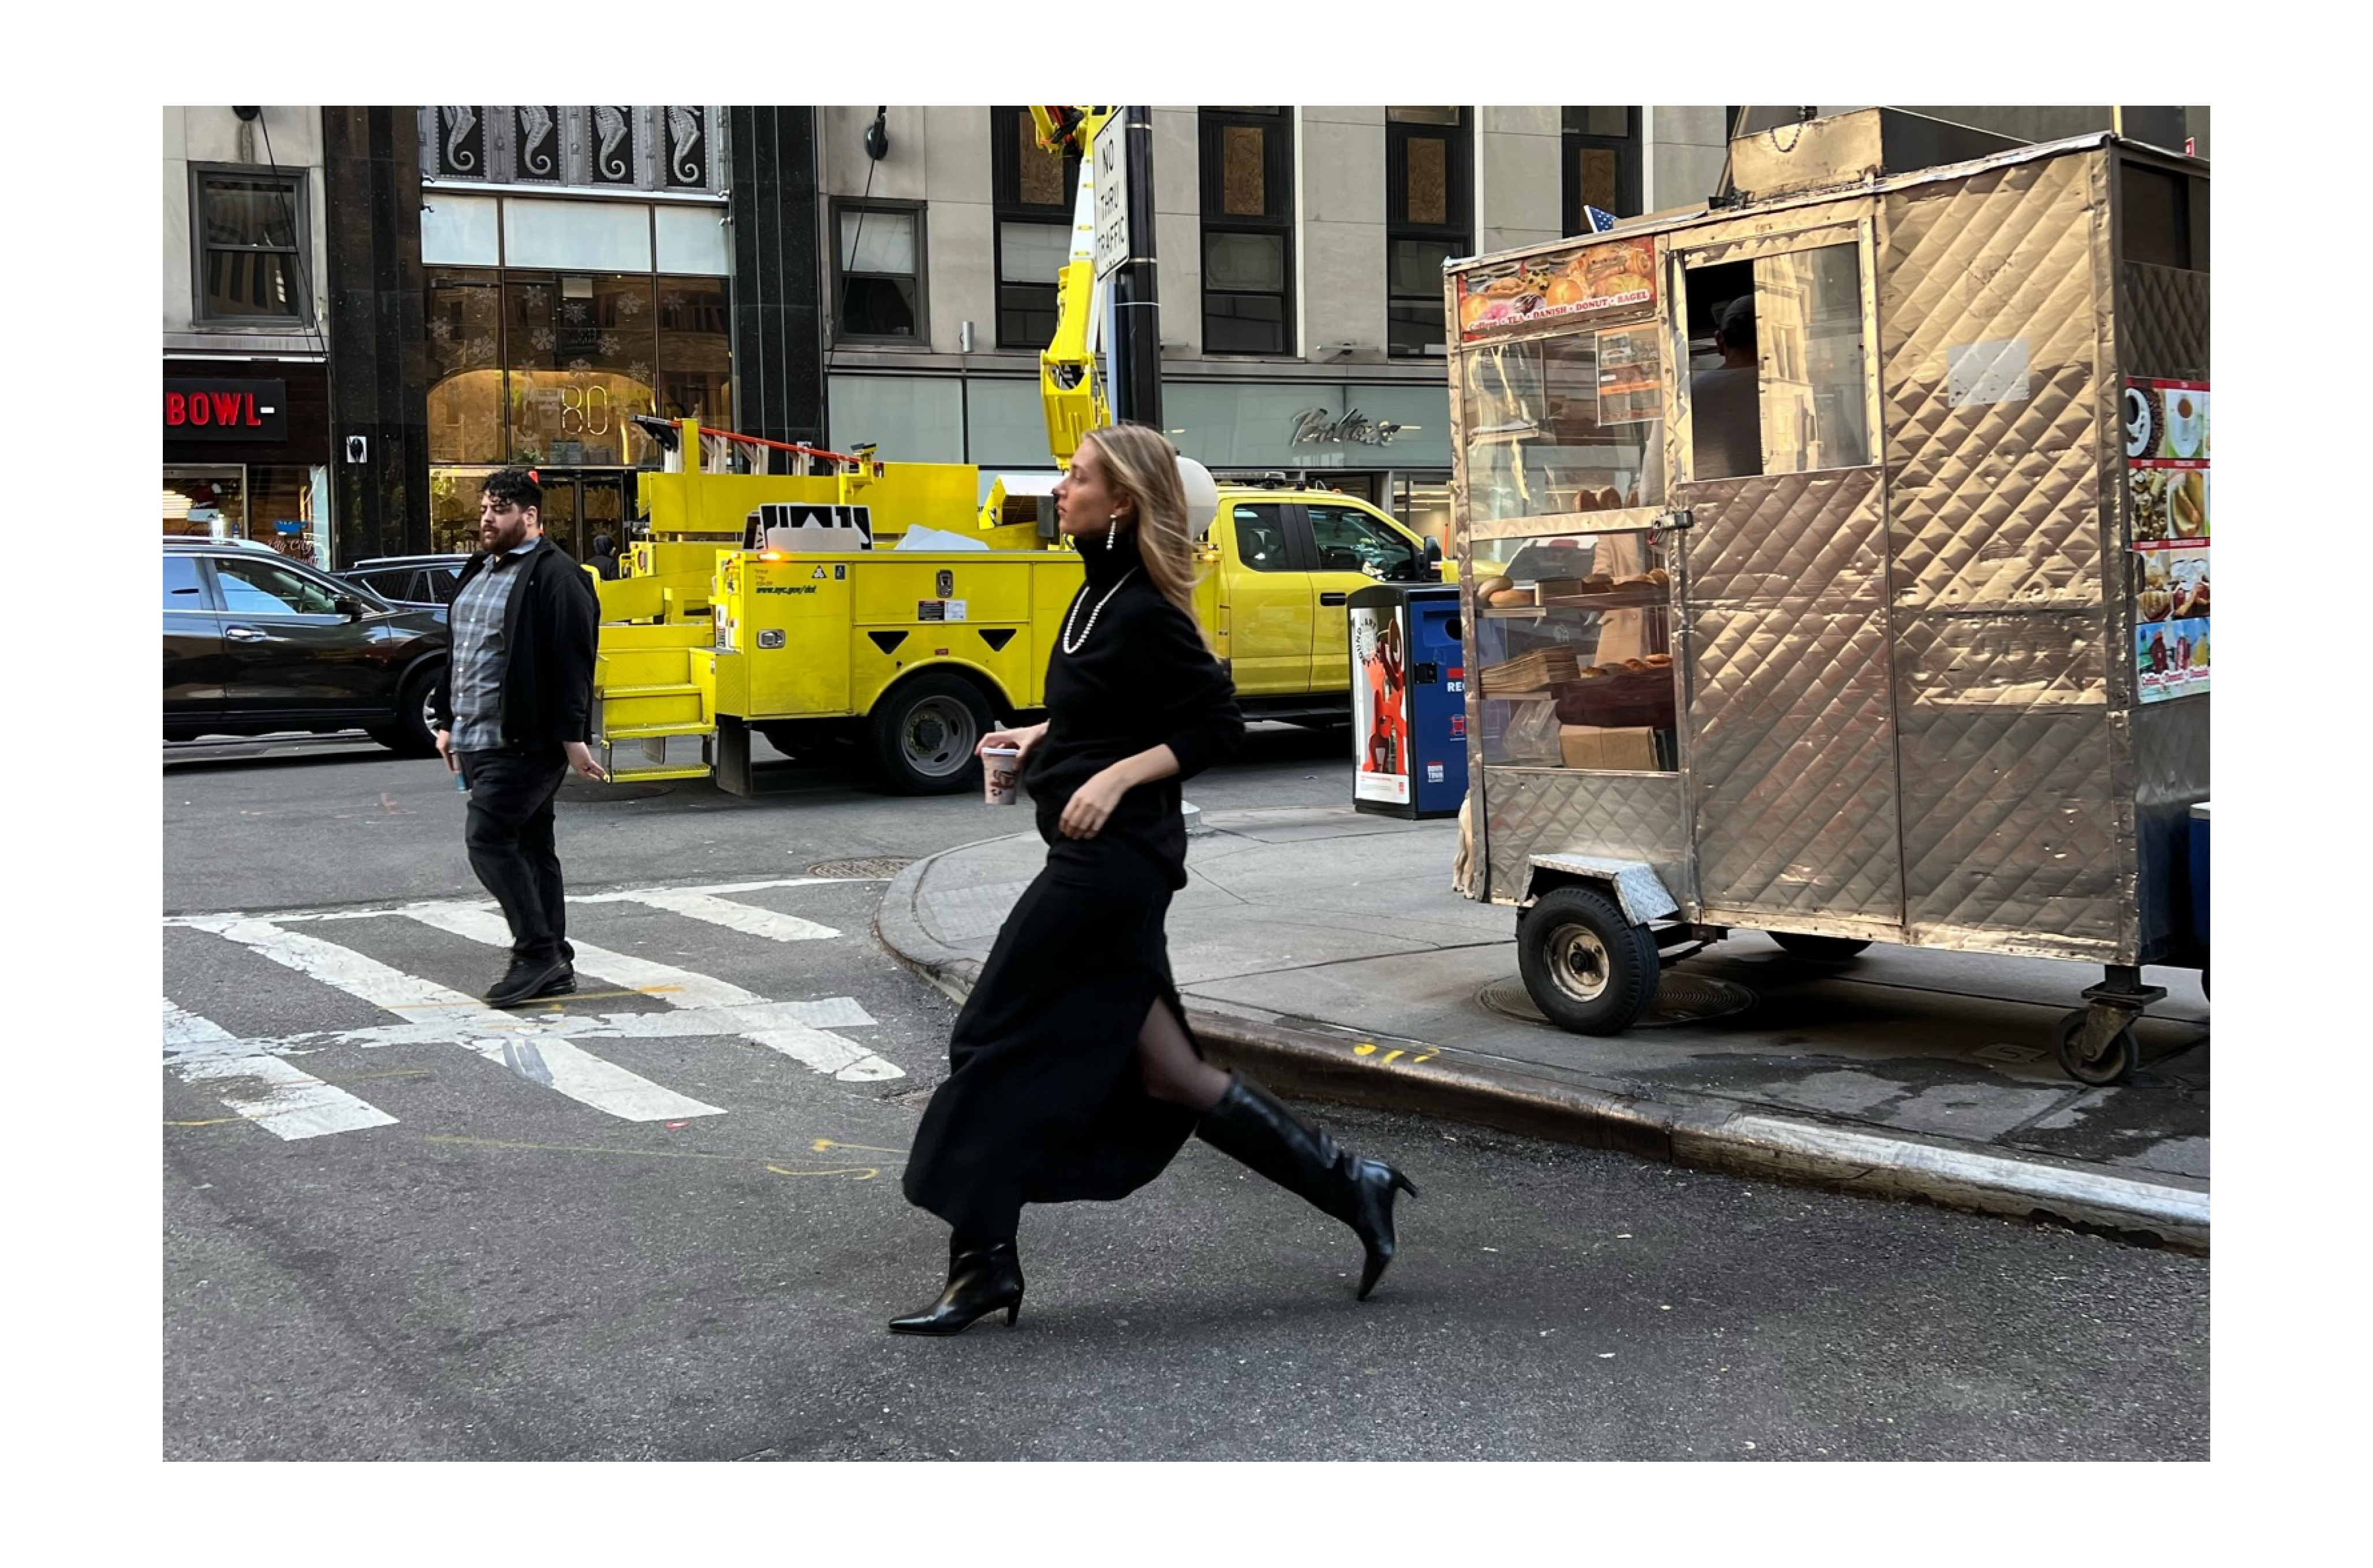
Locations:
1680 999
864 867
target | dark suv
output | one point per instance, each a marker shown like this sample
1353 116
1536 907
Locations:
410 580
256 643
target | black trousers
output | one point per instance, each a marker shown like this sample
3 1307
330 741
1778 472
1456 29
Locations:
510 835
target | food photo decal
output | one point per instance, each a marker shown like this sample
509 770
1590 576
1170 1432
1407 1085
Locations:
1612 276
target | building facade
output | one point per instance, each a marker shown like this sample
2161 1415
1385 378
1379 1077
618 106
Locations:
420 293
245 414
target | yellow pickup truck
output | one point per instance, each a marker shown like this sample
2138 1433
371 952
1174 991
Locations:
912 655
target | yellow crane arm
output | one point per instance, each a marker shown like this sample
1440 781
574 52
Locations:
1068 384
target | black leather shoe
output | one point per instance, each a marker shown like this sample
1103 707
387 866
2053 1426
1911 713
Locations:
1250 1127
980 1280
529 978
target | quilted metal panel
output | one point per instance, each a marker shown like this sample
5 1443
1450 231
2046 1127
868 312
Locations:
1625 816
2005 256
1790 744
2012 819
2015 834
2163 321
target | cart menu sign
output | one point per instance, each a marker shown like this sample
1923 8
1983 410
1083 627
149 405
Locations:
2167 499
1614 275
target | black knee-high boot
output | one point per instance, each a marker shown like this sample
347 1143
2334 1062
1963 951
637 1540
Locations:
982 1277
1250 1127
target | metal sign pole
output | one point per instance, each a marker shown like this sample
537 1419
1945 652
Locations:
1136 321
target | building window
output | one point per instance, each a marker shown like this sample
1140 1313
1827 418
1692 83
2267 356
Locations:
1248 179
878 272
247 224
1034 190
1601 165
1427 220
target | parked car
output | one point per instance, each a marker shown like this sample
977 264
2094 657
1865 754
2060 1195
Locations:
410 580
256 643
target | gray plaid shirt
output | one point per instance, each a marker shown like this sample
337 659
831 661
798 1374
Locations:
476 619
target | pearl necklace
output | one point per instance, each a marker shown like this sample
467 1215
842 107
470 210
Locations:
1072 620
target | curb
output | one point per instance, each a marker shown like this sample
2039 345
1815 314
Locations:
1412 1077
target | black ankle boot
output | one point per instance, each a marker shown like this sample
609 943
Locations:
982 1277
1248 1125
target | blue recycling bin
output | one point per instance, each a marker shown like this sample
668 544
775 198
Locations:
1408 700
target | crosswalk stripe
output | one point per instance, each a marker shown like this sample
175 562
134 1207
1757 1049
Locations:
825 1051
519 1044
725 912
283 1100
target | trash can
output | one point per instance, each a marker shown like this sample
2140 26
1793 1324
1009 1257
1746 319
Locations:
1408 700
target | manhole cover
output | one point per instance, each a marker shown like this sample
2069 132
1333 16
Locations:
866 866
1680 999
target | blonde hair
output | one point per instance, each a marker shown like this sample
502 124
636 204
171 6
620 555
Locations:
1139 462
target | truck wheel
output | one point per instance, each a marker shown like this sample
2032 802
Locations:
1820 949
413 730
923 731
1588 968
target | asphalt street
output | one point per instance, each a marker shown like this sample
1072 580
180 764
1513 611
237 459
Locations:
661 1220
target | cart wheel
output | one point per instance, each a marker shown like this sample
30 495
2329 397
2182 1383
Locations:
1587 969
1820 949
2116 1060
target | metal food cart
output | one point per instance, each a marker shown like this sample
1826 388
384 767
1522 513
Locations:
1834 563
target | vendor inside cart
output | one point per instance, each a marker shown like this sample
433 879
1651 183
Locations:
1724 412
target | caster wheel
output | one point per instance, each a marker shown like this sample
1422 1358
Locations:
2116 1060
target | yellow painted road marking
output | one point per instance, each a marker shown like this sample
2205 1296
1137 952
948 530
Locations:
860 1173
821 1144
210 1122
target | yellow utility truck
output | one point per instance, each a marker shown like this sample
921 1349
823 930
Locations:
912 654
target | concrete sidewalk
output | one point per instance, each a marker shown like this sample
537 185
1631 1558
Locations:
1324 951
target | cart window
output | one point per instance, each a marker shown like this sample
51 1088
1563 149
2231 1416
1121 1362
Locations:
1573 656
1779 378
1564 424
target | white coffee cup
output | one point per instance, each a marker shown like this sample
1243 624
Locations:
1000 772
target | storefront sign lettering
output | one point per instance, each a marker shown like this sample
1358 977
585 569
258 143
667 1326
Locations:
226 411
1318 426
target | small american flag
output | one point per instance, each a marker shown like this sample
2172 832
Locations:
1600 222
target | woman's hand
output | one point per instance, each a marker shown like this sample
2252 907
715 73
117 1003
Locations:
1020 740
1093 802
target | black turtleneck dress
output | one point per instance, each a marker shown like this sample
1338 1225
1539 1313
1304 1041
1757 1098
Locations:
1044 1104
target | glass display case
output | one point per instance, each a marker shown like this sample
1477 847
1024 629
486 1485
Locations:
1572 652
1563 425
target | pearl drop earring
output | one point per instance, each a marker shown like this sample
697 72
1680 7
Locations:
1112 530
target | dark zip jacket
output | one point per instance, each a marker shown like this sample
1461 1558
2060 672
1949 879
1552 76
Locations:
549 627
